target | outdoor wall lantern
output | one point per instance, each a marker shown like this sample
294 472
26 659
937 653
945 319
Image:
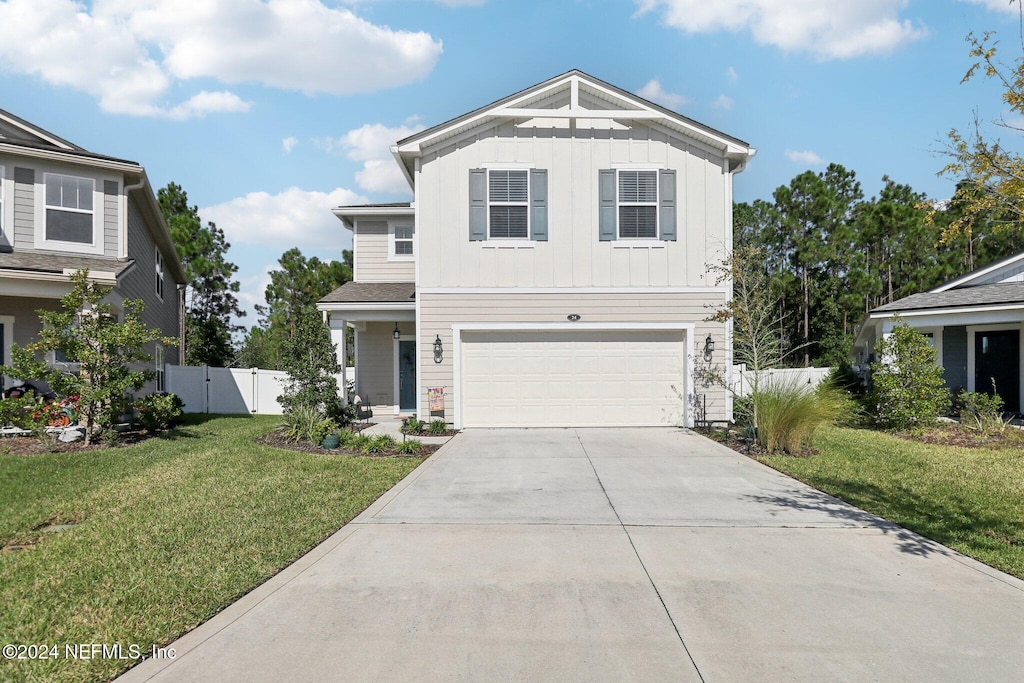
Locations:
438 350
396 334
709 348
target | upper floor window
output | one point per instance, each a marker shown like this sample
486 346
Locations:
404 239
638 204
3 226
158 260
69 214
508 204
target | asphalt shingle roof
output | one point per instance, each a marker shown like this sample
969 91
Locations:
56 263
372 292
981 295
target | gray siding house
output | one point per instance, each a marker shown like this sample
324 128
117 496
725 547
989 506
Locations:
552 268
63 209
974 323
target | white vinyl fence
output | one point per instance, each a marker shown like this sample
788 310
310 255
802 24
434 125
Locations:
236 391
741 378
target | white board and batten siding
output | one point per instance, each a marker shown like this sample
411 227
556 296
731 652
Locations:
629 287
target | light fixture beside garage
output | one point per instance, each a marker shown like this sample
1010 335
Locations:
438 350
396 334
709 348
573 317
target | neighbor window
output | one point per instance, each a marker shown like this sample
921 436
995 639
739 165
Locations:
2 200
403 240
508 204
159 261
158 363
69 208
638 204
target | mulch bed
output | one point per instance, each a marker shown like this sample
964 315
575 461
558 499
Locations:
957 435
33 445
734 439
277 440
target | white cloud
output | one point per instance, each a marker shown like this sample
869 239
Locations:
805 157
723 101
129 54
998 5
288 144
824 28
293 217
654 92
371 144
731 73
205 102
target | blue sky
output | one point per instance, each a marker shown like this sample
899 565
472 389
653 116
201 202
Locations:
270 112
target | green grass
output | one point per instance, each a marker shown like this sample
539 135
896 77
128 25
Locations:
971 500
171 531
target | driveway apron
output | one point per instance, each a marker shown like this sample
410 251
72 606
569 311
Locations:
612 555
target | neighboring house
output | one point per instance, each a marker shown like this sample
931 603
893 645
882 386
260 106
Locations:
552 269
975 324
63 209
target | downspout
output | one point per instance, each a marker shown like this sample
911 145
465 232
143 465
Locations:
124 214
181 324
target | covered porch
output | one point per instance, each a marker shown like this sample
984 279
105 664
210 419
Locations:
382 318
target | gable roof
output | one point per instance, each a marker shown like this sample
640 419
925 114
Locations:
573 95
20 131
981 295
978 273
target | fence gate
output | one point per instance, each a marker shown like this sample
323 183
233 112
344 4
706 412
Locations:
232 391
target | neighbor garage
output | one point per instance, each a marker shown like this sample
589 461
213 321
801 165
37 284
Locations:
572 378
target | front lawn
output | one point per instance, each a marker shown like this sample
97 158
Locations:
970 499
165 534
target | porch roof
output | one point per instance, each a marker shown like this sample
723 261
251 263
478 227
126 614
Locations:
27 262
980 295
373 293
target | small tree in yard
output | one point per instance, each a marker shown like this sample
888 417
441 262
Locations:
311 361
87 333
908 387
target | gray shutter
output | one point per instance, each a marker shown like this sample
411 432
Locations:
606 192
477 204
539 204
667 204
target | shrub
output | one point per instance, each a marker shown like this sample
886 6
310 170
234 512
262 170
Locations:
908 388
789 412
409 447
26 412
413 425
346 437
981 412
382 443
360 443
158 411
302 423
438 427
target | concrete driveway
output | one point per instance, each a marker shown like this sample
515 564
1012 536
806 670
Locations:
612 555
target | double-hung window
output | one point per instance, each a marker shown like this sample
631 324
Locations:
159 367
403 239
158 260
508 194
638 204
69 209
3 225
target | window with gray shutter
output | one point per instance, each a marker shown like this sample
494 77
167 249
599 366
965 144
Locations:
508 198
69 210
638 204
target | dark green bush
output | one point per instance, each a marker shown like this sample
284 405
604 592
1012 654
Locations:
158 411
981 412
908 389
438 427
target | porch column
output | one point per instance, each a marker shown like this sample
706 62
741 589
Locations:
338 328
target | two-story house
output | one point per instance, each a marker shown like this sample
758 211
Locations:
552 269
63 209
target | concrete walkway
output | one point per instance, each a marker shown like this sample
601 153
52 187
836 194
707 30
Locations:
612 555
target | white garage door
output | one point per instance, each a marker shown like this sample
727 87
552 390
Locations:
577 378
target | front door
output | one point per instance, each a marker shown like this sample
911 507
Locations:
407 375
997 359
